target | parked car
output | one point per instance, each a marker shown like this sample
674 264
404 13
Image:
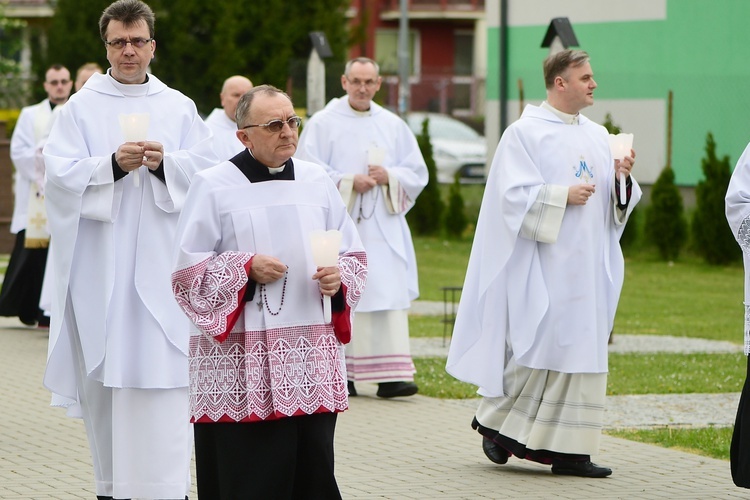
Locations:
456 147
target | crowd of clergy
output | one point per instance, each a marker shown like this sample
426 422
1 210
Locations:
172 259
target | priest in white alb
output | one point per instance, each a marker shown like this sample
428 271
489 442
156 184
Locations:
737 206
374 159
22 284
267 374
118 340
544 279
221 120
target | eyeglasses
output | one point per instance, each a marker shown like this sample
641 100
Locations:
120 43
55 83
367 83
276 125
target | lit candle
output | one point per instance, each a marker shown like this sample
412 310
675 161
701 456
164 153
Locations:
620 146
325 252
134 128
375 156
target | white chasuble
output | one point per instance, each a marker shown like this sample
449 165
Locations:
738 215
28 139
345 142
279 358
37 233
225 141
113 239
554 301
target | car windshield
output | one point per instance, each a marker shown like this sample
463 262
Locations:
443 127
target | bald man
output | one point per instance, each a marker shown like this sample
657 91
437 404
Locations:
222 122
85 72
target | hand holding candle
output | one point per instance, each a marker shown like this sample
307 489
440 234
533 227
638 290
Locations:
620 146
134 128
325 252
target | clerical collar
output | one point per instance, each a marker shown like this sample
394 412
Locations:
565 117
357 112
129 89
255 171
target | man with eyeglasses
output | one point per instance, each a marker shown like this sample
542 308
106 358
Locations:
266 367
118 342
221 120
374 158
22 285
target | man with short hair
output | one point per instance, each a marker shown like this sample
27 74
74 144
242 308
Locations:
374 158
543 280
222 122
267 375
118 341
22 285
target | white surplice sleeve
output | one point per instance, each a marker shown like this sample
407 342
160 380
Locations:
409 175
737 206
208 286
543 220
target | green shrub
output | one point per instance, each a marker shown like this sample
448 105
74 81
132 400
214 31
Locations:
455 218
425 216
10 117
666 225
712 237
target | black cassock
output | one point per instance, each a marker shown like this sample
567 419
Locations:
739 451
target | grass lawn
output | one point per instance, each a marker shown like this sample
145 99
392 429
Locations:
708 441
683 298
661 373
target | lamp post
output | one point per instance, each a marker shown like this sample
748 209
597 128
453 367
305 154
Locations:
403 59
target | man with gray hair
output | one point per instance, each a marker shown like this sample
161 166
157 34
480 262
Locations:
118 341
543 280
374 159
266 365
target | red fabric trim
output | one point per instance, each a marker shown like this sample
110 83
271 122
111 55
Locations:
342 321
234 315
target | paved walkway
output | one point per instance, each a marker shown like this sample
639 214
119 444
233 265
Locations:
412 448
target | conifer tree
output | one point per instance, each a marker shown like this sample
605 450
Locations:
666 225
425 216
455 218
711 235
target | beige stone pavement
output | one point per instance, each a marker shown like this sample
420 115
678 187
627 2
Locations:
412 448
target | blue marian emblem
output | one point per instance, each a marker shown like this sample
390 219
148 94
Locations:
583 171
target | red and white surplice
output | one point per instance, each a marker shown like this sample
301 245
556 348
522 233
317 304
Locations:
272 356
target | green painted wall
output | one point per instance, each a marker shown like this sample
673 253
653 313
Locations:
701 52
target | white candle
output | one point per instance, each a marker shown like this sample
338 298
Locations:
620 146
325 252
375 156
134 128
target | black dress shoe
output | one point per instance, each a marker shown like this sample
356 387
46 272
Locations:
581 469
350 388
494 451
396 389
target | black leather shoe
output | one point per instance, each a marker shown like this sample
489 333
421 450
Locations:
350 388
494 451
581 469
396 389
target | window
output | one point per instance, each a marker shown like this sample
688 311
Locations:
386 51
